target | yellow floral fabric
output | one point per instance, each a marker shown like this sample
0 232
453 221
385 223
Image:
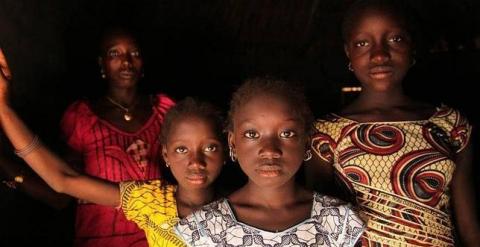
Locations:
153 207
400 173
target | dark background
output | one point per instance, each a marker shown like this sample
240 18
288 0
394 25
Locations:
205 48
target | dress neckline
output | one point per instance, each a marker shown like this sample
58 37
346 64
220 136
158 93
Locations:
435 113
234 217
145 124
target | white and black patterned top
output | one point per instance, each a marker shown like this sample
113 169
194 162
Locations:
332 223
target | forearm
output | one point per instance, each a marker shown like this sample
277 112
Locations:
44 163
56 173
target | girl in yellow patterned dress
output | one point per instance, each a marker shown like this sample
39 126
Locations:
407 163
192 146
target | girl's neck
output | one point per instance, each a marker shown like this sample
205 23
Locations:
370 99
190 200
273 197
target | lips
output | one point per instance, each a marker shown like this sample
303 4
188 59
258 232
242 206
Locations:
197 178
127 73
381 71
269 168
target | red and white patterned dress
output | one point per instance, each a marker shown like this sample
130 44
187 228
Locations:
114 155
400 173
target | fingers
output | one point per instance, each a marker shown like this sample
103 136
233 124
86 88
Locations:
5 70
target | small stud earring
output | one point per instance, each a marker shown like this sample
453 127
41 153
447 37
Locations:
350 66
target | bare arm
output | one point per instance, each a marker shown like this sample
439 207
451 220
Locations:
464 198
58 175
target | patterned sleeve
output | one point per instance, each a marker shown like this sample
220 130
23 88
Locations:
140 200
76 120
323 143
456 125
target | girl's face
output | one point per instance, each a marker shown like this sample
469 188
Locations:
121 61
194 152
269 140
380 50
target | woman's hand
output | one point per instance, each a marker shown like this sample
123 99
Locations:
5 76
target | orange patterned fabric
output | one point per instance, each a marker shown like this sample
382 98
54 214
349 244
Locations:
400 173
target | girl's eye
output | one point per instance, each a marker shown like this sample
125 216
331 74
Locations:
135 53
287 134
113 53
181 150
251 134
395 39
362 43
211 148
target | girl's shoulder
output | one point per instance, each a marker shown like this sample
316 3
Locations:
162 102
450 123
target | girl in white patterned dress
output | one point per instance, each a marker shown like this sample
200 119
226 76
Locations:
268 134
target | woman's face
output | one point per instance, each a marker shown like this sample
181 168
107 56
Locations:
269 140
194 152
380 50
121 61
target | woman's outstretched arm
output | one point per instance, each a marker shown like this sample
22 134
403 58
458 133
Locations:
56 173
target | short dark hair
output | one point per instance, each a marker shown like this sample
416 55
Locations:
191 107
292 92
398 8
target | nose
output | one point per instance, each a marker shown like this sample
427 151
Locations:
380 53
270 148
197 160
127 59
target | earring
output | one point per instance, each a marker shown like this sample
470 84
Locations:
231 152
414 61
308 155
102 73
350 66
167 164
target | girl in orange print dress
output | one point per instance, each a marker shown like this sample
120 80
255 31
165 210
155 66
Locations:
407 163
